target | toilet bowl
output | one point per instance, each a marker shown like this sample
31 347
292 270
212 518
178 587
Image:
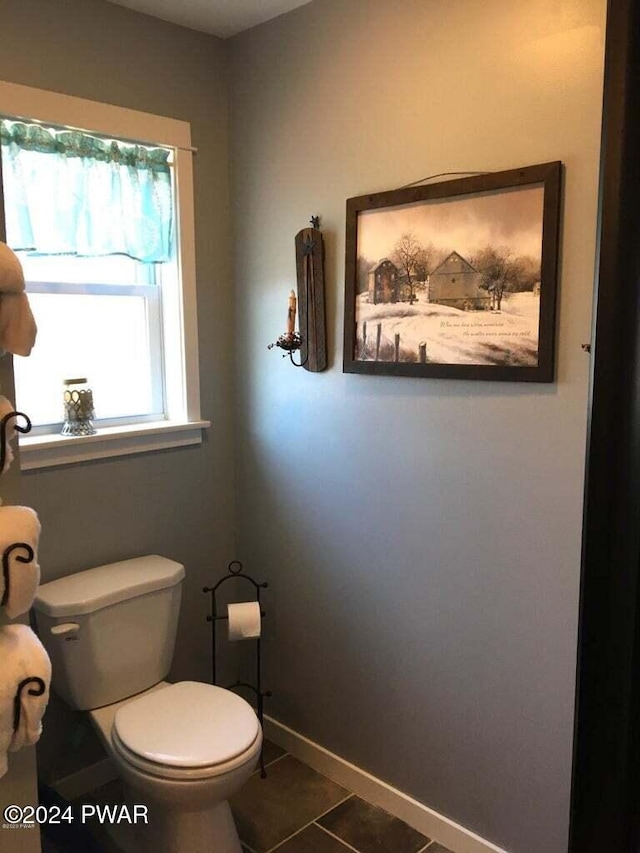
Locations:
174 760
181 749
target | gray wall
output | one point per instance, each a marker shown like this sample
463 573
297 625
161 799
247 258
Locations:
422 538
177 503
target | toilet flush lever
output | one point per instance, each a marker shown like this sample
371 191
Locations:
66 630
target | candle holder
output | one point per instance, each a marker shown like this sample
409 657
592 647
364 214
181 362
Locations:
78 408
311 340
290 342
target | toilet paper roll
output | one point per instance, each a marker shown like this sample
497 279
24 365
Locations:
244 620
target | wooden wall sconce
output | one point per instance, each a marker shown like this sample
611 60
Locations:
311 339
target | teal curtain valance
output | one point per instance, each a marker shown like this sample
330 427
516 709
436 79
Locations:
75 143
70 193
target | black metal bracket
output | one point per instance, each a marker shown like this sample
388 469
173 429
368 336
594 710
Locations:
5 566
297 363
17 702
235 571
3 433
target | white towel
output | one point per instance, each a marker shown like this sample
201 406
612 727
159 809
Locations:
19 525
7 406
24 661
17 327
11 275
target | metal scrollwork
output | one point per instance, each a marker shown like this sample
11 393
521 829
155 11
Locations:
3 433
17 702
6 568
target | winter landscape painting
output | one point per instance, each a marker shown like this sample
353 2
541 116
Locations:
456 279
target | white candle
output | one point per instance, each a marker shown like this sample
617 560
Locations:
291 314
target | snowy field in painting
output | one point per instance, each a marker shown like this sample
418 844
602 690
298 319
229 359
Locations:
508 337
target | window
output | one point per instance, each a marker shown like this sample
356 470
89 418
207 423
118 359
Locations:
113 292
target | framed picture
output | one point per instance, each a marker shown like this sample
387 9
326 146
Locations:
455 280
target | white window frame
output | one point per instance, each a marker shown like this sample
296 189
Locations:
183 424
152 295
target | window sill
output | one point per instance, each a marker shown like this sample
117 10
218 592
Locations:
45 451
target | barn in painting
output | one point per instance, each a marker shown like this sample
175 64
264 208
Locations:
457 284
383 282
387 283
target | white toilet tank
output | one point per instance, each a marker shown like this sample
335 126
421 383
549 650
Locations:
110 631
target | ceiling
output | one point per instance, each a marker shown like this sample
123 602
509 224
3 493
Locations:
221 18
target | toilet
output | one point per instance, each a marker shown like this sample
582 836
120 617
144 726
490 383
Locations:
181 749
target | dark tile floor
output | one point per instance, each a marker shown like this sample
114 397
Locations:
296 810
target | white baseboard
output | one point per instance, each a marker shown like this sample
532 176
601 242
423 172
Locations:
420 817
86 780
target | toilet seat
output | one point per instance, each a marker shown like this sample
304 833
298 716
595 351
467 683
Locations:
187 730
183 774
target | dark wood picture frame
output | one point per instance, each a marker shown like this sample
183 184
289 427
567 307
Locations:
475 303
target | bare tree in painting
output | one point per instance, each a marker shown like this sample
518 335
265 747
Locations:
427 260
423 265
495 264
407 255
502 273
525 273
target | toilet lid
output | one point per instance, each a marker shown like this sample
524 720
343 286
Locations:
188 724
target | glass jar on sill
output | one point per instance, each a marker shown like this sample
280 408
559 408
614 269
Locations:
78 408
